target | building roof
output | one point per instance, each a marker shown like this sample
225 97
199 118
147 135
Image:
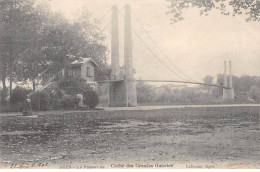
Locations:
82 60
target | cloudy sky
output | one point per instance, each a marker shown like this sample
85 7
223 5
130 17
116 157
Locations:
197 46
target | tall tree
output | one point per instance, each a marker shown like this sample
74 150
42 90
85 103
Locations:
32 60
16 16
96 49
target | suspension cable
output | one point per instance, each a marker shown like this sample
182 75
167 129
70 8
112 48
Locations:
149 49
156 45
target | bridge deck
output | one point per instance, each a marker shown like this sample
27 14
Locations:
162 81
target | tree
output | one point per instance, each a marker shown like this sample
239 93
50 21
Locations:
91 31
16 21
249 7
145 92
35 39
64 42
254 93
220 81
208 80
244 83
33 61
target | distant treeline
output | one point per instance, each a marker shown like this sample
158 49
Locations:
246 90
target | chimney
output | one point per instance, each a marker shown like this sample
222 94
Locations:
225 74
230 75
128 61
114 44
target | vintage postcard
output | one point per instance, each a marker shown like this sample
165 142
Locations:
129 84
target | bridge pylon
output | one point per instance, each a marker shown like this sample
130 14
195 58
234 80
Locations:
122 93
228 93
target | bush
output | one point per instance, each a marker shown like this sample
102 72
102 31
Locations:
74 85
3 95
56 99
90 99
17 98
40 101
7 107
69 102
56 104
19 95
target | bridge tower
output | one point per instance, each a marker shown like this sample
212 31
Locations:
122 91
128 59
228 94
114 44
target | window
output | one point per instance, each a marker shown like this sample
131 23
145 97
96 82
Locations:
88 71
76 71
92 70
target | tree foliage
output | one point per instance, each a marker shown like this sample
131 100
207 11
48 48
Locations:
244 87
255 93
33 38
251 8
16 21
208 79
74 85
145 92
241 84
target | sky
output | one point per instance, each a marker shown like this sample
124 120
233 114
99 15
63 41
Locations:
198 45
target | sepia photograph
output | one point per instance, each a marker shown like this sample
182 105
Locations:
129 84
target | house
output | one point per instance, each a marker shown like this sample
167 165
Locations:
83 67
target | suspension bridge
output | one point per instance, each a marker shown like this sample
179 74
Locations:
122 90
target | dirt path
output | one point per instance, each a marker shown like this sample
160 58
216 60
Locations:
178 106
178 138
